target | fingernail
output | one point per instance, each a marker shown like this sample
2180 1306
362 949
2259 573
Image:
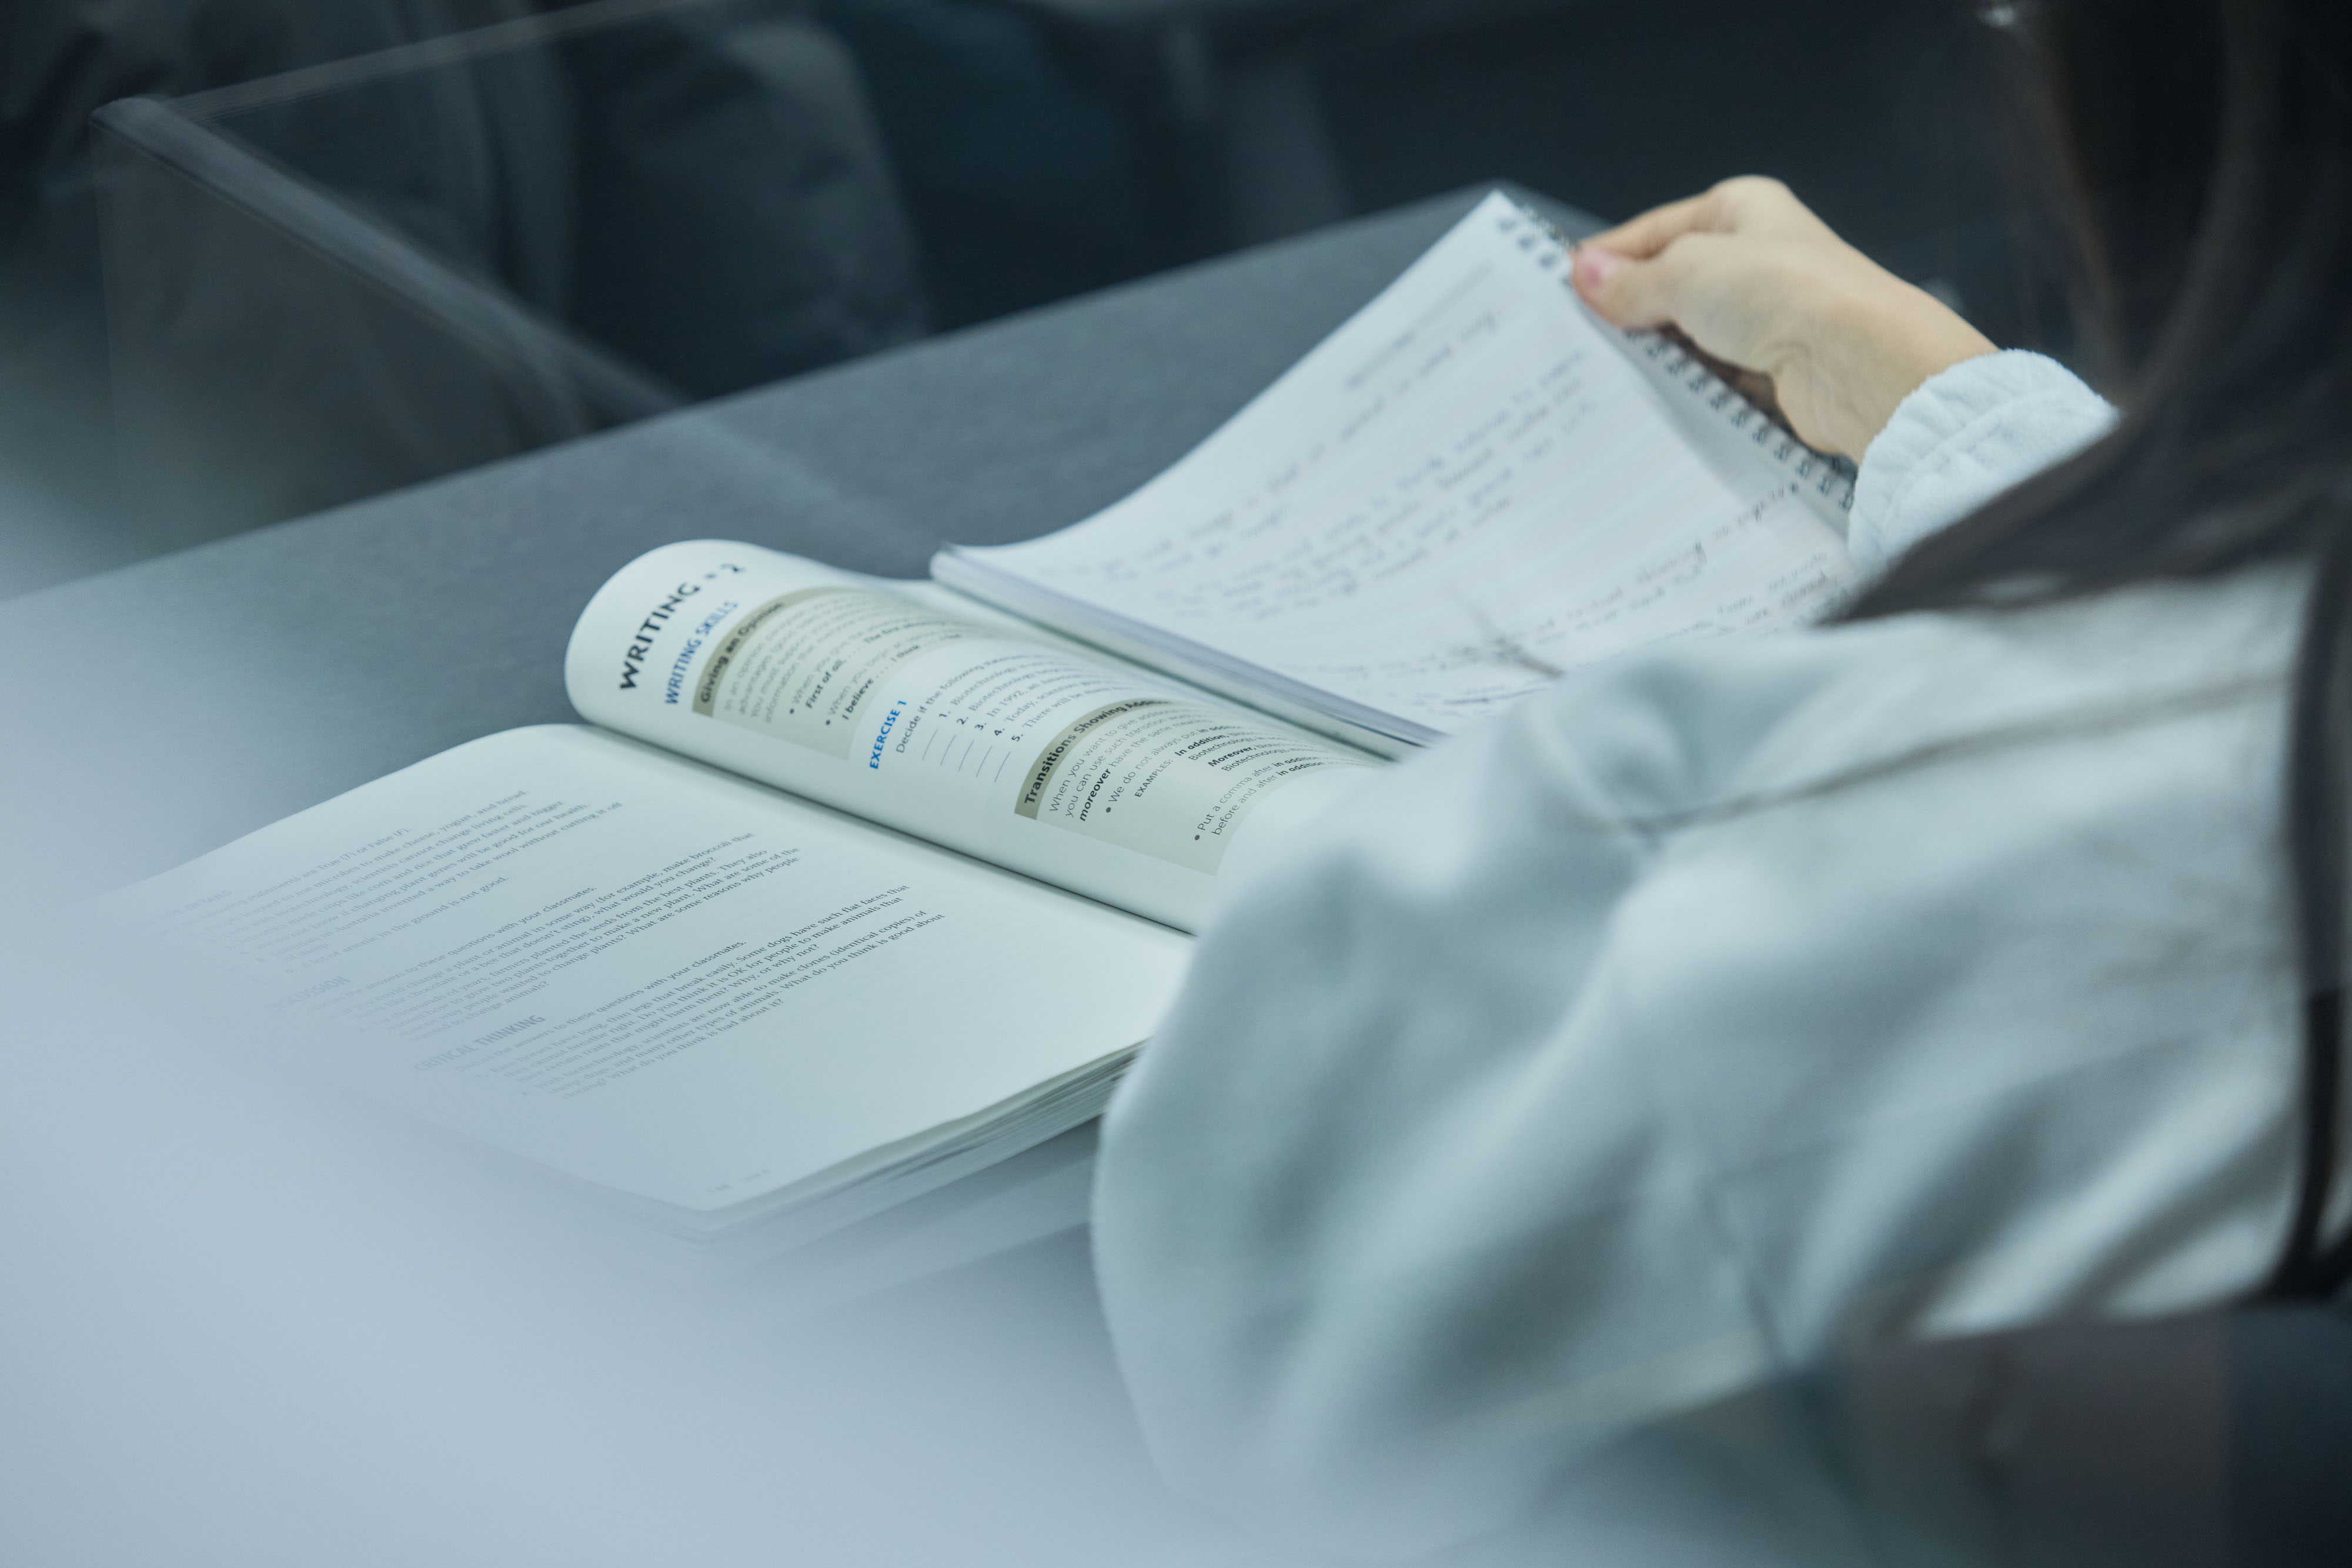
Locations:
1594 268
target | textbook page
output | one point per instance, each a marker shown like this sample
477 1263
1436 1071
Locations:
662 980
1471 485
967 729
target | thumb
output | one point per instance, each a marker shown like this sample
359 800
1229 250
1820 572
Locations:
1627 292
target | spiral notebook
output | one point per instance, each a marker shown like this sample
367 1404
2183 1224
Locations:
1473 484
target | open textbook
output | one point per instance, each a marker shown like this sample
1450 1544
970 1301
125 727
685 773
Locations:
849 886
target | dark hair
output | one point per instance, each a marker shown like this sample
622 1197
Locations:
2204 147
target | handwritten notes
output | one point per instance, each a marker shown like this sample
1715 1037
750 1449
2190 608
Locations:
1472 486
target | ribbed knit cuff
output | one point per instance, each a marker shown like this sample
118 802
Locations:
1968 433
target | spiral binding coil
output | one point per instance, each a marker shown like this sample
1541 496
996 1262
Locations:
1830 478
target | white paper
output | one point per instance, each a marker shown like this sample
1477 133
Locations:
1472 483
652 976
960 728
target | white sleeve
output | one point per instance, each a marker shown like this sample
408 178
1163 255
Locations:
1612 1057
1381 1212
1982 427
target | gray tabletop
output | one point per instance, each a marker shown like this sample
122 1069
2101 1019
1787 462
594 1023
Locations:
203 694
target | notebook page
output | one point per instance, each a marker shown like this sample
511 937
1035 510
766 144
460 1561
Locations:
1472 484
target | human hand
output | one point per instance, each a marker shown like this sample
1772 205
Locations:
1753 279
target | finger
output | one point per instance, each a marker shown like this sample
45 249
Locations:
1754 386
1632 293
1646 236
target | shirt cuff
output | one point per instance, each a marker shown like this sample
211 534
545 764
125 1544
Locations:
1966 436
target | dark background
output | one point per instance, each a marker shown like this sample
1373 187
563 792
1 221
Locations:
1039 150
1893 117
